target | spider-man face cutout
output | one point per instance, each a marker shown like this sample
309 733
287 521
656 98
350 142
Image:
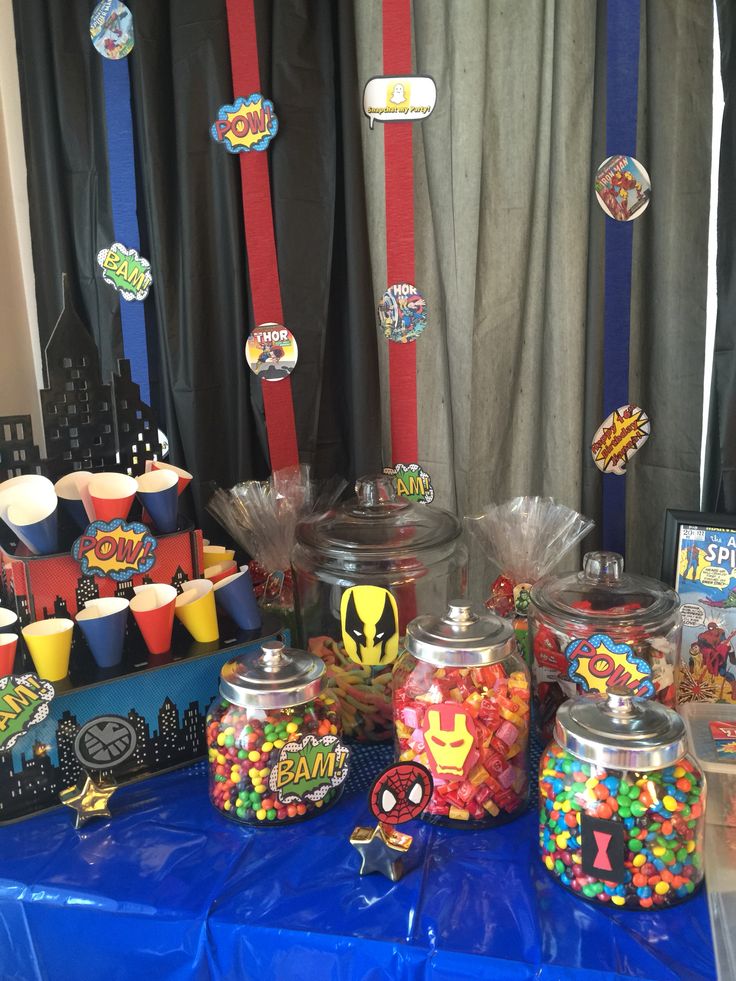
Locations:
401 793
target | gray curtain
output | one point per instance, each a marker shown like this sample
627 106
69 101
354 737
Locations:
510 254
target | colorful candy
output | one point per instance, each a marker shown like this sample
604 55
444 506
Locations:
362 692
247 767
659 862
470 727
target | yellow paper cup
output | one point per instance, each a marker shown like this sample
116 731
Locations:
50 644
217 553
195 608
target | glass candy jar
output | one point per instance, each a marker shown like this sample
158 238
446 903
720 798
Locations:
362 571
461 708
599 628
622 805
273 740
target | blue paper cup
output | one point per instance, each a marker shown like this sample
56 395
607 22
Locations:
158 493
103 623
235 595
35 522
69 491
27 487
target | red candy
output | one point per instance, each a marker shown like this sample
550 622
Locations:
470 727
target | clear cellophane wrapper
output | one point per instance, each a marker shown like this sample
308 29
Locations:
525 538
261 516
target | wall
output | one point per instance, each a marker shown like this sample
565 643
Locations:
20 356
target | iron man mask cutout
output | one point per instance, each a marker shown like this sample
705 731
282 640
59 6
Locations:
401 793
369 619
449 733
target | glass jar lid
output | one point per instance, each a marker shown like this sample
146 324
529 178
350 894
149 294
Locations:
622 731
278 677
604 594
460 638
376 524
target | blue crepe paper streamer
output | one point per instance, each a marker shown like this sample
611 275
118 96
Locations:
121 164
622 90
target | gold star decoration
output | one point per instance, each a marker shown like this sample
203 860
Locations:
88 799
381 849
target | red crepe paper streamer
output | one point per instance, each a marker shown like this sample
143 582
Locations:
260 241
399 176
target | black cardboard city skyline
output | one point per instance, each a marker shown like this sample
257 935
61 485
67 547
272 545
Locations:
88 424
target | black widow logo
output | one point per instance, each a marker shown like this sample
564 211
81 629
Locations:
401 793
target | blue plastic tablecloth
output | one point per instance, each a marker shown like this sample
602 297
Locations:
169 889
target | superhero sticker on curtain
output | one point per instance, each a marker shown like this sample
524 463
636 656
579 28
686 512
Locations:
412 482
111 29
400 793
619 437
126 271
399 98
622 187
271 352
248 124
369 618
402 313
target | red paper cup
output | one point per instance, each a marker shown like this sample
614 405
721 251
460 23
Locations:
153 609
8 645
220 571
185 478
112 495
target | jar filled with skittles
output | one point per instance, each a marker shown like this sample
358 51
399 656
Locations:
622 804
599 628
461 708
274 739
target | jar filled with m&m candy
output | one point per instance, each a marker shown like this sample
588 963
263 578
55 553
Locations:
274 739
461 708
622 804
601 628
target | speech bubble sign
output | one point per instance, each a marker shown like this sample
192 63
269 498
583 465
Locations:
398 98
692 615
715 576
619 437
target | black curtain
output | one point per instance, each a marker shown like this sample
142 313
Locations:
198 313
720 464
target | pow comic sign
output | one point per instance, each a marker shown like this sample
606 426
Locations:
369 618
401 793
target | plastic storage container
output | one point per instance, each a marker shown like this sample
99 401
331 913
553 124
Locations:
712 731
622 805
362 571
600 628
461 707
274 741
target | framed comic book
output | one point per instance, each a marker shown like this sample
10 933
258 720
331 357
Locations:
699 560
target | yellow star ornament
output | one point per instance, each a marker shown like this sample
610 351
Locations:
88 799
381 849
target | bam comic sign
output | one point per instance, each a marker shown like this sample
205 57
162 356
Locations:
115 549
24 701
126 271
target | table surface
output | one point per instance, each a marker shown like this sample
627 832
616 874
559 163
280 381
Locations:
169 889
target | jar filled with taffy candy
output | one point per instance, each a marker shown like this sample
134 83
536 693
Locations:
621 803
274 739
461 708
599 628
362 571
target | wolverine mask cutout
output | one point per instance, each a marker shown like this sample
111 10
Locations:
369 619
